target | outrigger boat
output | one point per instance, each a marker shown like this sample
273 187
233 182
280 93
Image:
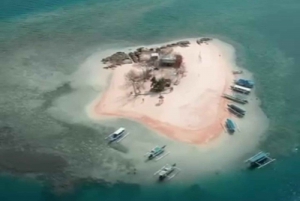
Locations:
117 136
230 126
245 83
236 110
167 172
235 99
240 89
259 160
157 153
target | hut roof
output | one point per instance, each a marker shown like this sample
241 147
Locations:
168 58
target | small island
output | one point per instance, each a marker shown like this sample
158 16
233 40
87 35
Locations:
175 89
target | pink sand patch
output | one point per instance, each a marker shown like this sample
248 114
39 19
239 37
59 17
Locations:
193 112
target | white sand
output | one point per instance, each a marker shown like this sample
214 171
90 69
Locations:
222 154
193 111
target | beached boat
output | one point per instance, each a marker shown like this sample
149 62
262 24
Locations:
157 153
117 136
240 89
230 126
235 99
245 83
236 110
167 172
259 160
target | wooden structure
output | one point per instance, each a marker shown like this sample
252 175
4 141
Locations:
167 60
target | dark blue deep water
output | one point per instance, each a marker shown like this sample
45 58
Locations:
265 33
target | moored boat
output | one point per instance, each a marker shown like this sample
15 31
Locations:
235 99
245 83
236 110
230 126
241 89
259 160
117 136
157 152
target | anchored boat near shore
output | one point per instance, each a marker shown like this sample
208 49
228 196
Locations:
167 172
241 89
117 136
230 126
235 99
245 83
259 160
157 153
236 110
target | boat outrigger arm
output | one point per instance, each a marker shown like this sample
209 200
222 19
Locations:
157 153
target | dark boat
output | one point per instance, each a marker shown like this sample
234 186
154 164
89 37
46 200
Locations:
117 136
236 110
235 99
245 83
230 126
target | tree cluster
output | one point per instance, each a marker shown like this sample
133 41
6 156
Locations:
137 79
160 84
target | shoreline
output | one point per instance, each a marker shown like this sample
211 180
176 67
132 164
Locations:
213 126
215 157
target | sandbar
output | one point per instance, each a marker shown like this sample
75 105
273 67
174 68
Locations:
191 110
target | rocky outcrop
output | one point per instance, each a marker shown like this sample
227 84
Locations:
183 43
120 58
133 57
112 66
117 58
203 40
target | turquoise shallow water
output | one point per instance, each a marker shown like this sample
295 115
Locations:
63 33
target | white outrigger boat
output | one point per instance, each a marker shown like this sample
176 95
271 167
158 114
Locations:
259 160
157 153
167 172
117 136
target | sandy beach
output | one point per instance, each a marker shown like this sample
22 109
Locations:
189 120
192 111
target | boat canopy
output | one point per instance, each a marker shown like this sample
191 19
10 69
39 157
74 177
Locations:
245 83
258 157
241 88
119 131
230 124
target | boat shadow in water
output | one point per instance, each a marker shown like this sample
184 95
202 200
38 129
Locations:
147 160
230 132
118 147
